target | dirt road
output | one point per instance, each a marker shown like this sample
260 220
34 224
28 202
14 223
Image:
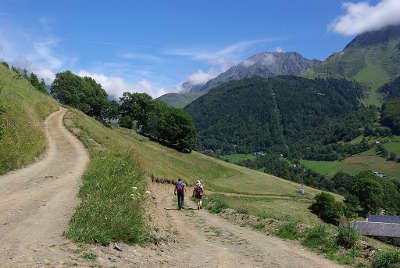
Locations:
192 238
37 202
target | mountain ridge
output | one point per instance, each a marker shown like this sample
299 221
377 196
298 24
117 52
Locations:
264 64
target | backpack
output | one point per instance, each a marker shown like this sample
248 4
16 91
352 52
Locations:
199 191
179 187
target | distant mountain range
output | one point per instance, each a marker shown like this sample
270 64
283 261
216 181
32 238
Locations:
371 58
266 64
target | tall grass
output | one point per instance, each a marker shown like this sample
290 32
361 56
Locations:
111 207
112 194
22 111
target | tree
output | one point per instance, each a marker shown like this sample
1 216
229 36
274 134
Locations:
25 74
391 115
138 106
126 122
370 194
327 208
112 111
82 93
42 86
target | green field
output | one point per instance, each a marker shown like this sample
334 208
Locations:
326 168
355 164
22 112
237 158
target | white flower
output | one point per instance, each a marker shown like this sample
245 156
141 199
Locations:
134 188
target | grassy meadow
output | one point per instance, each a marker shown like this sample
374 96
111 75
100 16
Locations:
264 193
368 160
22 112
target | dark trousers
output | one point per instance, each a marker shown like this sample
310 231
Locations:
181 198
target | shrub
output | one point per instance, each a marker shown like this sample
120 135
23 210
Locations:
215 204
242 211
387 259
288 231
259 226
351 206
347 236
316 236
392 156
327 208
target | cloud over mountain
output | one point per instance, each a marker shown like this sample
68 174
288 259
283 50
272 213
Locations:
363 17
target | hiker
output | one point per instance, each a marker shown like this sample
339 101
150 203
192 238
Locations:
180 192
198 192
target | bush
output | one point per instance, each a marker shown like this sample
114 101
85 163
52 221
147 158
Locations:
316 236
215 204
347 236
288 231
327 208
392 156
259 226
387 259
242 211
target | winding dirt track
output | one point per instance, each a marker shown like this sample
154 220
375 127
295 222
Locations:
37 202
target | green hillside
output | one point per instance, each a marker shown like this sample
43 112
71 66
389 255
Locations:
371 58
180 100
22 112
218 176
284 114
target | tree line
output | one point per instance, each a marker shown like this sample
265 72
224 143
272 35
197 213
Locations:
170 126
364 194
30 77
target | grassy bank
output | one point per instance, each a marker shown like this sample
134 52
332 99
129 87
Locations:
111 147
112 191
22 112
269 216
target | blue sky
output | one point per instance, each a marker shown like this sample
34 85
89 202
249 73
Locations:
154 46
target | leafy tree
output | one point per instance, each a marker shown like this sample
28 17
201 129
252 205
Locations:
327 208
112 110
82 93
391 115
370 194
126 122
138 106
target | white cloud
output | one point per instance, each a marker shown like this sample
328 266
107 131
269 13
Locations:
225 57
33 52
115 86
279 50
362 17
200 77
139 56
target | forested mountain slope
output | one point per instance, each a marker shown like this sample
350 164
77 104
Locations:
266 64
284 113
